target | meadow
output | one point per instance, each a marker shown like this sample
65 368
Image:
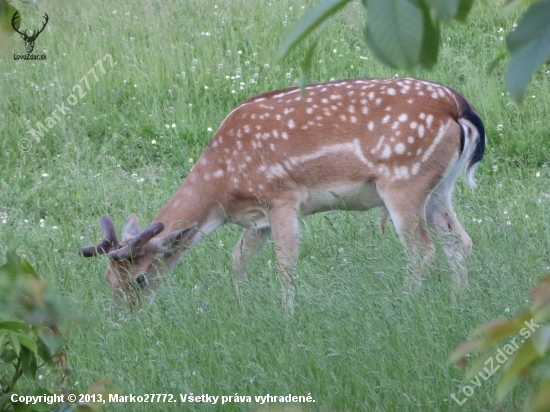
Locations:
356 342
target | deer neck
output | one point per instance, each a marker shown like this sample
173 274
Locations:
195 202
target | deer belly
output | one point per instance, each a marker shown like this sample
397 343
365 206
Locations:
342 196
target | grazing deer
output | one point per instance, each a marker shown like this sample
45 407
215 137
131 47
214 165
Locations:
352 144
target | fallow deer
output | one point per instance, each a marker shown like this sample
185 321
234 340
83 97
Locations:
397 143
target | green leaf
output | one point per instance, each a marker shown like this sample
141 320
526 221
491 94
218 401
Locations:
28 363
529 45
463 9
3 340
510 5
541 339
430 40
4 400
498 329
541 297
11 267
6 13
41 406
15 326
308 58
27 342
444 10
309 22
394 31
52 340
44 352
514 366
27 268
15 343
21 407
8 355
465 348
539 401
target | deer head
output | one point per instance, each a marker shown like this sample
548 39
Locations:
137 262
29 40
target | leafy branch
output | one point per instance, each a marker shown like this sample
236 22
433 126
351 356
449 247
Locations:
34 340
527 358
405 33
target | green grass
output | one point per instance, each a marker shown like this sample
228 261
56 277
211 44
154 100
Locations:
356 341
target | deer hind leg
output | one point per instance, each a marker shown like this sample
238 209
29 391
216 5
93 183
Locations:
455 241
407 212
286 231
250 243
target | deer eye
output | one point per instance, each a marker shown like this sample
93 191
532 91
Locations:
142 280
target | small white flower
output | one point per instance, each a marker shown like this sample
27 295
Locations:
507 310
45 174
153 141
537 174
173 125
190 160
55 227
209 129
495 168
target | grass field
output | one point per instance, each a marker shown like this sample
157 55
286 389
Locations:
356 341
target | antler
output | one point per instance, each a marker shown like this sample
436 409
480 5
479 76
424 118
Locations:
116 250
35 34
109 241
129 251
13 19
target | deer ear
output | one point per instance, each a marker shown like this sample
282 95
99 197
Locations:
130 228
172 241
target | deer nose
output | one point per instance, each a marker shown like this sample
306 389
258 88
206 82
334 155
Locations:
142 280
